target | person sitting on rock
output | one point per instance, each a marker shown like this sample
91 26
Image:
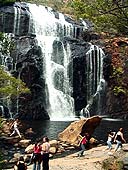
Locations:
20 164
15 128
30 133
83 143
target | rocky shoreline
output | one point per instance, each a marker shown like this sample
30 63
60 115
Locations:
63 151
93 159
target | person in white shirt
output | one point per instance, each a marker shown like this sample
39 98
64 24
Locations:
110 138
15 128
45 150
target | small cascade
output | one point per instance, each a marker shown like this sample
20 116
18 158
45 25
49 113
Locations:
17 15
2 110
85 111
95 81
49 34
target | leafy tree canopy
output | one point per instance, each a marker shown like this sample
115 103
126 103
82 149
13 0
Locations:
107 15
10 85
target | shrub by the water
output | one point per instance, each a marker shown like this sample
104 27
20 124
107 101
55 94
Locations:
112 164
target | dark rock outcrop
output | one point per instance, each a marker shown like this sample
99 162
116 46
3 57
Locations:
27 62
30 69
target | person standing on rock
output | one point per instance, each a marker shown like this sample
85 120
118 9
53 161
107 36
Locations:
15 128
119 138
83 143
45 150
36 159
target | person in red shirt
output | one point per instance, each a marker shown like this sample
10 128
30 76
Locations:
83 144
37 156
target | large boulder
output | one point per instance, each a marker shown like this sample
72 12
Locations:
9 140
24 143
75 129
29 149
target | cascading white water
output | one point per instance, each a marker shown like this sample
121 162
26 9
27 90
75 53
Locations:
95 81
17 21
49 31
2 110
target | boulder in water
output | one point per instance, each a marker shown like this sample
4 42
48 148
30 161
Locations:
75 129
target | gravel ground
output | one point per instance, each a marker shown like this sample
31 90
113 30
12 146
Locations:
92 160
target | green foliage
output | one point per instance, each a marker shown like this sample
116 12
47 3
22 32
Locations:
1 122
112 163
117 72
119 90
10 85
107 15
6 44
119 87
6 2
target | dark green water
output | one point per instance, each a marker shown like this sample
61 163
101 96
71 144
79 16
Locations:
52 128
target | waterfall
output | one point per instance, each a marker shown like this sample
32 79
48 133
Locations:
59 38
49 33
95 80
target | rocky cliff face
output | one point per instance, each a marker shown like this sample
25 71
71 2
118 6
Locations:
27 62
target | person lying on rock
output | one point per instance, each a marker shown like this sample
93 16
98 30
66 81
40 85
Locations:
83 144
15 128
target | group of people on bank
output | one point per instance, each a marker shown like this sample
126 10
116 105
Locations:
40 157
115 137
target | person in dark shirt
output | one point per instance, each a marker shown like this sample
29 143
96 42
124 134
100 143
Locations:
20 164
119 138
